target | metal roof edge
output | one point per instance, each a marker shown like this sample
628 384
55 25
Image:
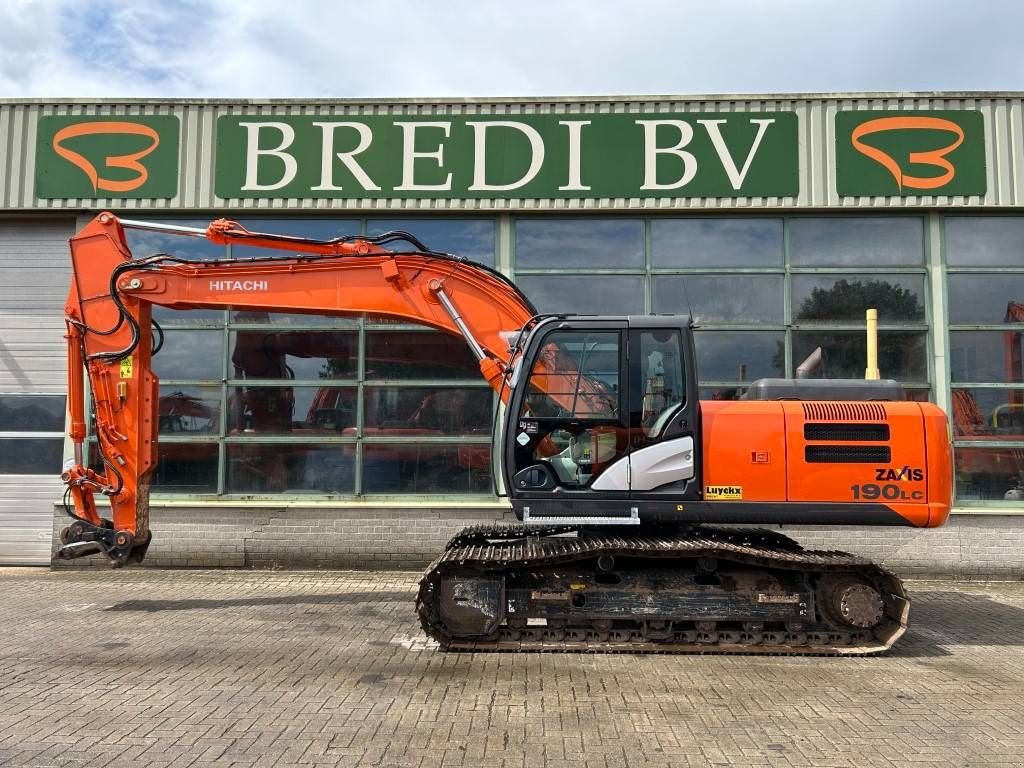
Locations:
634 98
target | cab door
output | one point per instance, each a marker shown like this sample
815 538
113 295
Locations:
568 420
664 442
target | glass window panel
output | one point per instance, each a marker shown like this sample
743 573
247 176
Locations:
292 410
470 238
188 317
185 468
722 393
576 374
585 295
313 229
836 298
986 356
418 355
31 455
189 410
901 355
292 319
423 411
986 298
984 241
856 241
32 413
418 468
721 298
564 243
981 413
716 242
987 474
144 243
739 355
273 354
291 468
190 354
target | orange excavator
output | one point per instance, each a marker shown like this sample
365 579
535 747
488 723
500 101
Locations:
624 482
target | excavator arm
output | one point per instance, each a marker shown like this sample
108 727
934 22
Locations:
109 336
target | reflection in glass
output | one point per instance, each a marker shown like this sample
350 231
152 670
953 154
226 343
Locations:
418 355
204 318
901 355
702 242
739 355
984 241
563 243
245 317
472 239
313 229
722 393
576 375
32 413
834 298
988 474
418 468
585 295
987 298
856 241
721 298
191 354
31 455
988 413
986 356
273 354
423 411
291 467
280 410
185 468
189 410
144 243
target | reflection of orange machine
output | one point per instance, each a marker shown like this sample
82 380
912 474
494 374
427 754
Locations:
605 439
996 465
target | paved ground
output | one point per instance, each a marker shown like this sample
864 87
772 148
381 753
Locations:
178 668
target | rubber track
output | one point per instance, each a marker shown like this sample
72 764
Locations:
515 547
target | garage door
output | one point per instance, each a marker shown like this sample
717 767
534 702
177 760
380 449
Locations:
34 264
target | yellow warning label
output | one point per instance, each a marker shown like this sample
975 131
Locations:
723 492
126 368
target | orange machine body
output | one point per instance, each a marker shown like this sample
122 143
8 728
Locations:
892 453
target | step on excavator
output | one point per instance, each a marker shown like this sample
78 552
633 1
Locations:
638 504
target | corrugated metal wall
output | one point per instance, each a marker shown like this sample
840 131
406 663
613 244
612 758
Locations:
1003 114
33 286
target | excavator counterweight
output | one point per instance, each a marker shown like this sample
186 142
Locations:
616 469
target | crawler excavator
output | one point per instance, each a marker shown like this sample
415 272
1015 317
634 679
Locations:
627 487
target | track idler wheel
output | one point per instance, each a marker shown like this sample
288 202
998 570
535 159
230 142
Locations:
850 601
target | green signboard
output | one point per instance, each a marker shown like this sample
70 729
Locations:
910 153
686 154
130 156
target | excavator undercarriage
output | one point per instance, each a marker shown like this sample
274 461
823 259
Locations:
690 590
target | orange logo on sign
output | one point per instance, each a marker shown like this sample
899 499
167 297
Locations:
128 161
933 157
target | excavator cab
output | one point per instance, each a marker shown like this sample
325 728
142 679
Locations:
604 413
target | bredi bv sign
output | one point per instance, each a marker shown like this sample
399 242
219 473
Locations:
524 156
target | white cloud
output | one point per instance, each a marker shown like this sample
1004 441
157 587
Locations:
302 48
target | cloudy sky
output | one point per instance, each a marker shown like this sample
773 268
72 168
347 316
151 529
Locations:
303 48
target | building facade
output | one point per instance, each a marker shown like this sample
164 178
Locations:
335 441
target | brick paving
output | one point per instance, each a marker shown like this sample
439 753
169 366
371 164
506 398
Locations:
260 668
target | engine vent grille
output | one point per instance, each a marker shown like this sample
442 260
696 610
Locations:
832 411
847 454
871 433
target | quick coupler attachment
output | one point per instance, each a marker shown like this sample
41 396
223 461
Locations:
82 538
